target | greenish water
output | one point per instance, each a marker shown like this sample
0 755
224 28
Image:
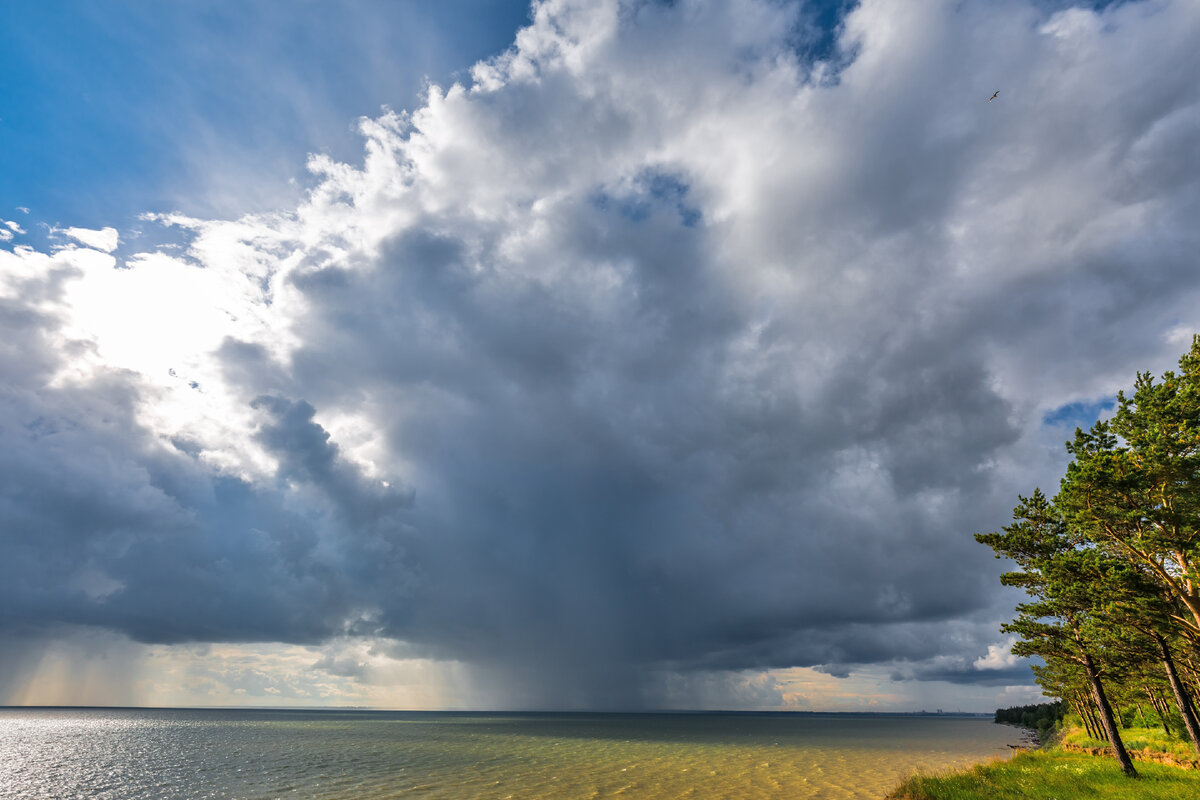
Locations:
254 755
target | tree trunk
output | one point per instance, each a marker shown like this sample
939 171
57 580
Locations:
1106 717
1158 709
1097 731
1181 697
1077 711
1193 671
1079 703
1089 705
1193 605
1075 708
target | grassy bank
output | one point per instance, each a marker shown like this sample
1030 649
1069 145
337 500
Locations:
1057 774
1141 742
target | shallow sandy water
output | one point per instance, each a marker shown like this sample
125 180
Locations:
253 755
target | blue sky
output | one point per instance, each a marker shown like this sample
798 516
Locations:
117 108
1080 414
650 355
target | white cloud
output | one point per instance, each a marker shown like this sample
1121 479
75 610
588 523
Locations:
105 239
999 656
7 229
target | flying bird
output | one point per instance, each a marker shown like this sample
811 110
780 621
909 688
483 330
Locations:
993 97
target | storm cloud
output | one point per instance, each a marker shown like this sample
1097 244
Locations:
669 343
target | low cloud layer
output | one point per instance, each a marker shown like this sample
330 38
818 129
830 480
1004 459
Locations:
660 349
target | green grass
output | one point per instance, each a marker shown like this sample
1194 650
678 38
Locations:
1136 739
1054 775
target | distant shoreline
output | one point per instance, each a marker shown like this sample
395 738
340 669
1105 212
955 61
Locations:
508 712
1032 735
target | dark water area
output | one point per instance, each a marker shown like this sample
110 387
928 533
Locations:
254 754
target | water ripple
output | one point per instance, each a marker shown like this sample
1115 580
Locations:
121 754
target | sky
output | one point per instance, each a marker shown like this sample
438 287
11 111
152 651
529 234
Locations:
594 354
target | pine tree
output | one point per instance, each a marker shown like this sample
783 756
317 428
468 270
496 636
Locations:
1058 623
1134 484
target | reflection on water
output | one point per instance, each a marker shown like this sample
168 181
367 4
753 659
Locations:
140 753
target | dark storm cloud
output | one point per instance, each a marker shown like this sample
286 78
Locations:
669 358
103 524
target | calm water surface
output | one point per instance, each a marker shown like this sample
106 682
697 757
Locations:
254 755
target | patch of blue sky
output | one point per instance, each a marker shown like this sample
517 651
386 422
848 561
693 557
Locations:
815 37
653 191
210 107
1080 414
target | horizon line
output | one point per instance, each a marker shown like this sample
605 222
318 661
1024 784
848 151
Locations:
379 709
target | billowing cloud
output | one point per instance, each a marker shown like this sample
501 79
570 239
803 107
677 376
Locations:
999 656
661 351
104 240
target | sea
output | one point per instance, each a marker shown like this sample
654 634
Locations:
248 754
